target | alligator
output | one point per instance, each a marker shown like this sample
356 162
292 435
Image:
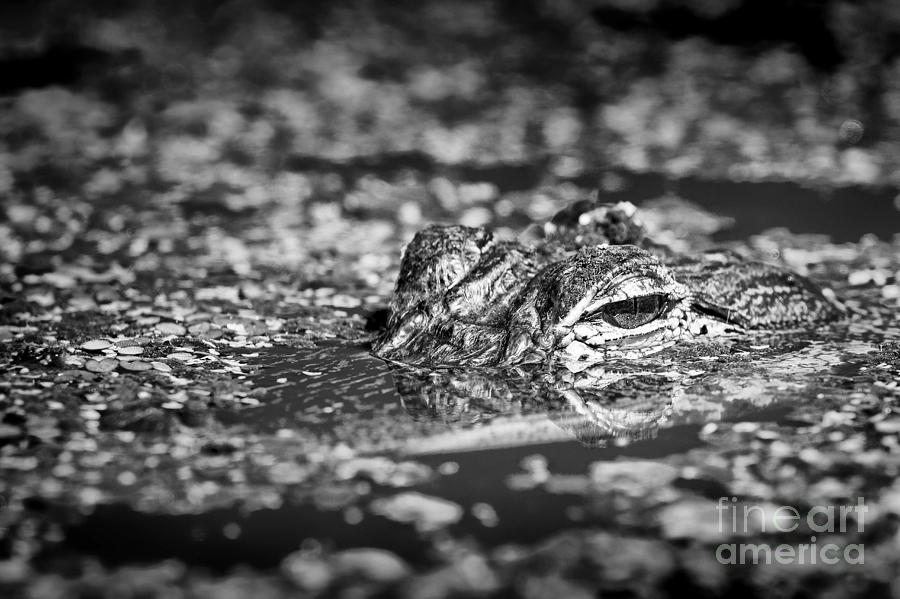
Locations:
589 288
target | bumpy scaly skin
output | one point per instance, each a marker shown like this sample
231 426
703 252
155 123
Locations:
754 295
465 298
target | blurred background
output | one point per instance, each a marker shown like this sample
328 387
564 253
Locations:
205 94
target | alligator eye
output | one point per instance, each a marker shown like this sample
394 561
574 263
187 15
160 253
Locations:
634 312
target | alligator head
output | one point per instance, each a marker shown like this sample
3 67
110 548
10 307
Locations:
465 298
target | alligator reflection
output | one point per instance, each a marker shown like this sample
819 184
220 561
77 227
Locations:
522 408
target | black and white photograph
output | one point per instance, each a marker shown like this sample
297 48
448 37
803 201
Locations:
437 299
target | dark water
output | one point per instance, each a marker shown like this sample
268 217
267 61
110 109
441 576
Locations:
843 213
119 535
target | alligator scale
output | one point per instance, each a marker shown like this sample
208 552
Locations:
592 288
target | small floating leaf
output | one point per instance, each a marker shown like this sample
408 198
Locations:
95 345
136 365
